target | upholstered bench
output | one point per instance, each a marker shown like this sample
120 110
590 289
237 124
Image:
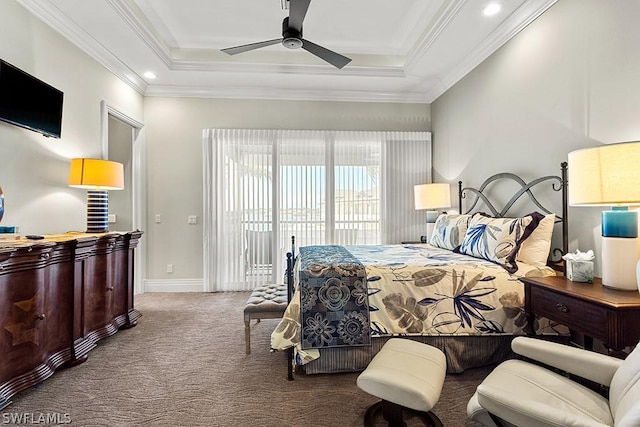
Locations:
265 302
405 374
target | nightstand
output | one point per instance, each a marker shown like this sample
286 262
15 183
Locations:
609 315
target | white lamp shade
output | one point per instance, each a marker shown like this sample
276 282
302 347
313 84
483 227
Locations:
608 175
432 196
605 175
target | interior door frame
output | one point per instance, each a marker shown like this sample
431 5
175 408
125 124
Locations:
138 172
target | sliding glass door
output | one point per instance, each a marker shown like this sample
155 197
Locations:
262 187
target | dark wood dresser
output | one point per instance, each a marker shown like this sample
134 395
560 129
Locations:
609 315
58 297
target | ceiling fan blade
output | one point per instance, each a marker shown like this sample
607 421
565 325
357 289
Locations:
247 47
325 54
297 12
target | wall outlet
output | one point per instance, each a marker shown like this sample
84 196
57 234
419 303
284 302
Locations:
158 218
169 268
111 218
192 219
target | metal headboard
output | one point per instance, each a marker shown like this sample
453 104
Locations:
291 259
558 183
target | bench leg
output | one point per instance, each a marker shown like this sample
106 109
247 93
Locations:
247 336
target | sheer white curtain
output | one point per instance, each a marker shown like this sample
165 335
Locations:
323 187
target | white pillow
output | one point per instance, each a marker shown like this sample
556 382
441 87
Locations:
495 239
535 248
449 231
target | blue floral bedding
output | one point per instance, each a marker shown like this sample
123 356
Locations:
333 295
421 290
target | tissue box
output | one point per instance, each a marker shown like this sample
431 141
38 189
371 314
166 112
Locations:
580 271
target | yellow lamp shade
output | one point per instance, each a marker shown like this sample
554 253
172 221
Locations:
96 174
605 175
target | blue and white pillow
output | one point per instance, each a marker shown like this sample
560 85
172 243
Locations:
495 239
449 231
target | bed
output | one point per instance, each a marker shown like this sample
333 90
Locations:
460 292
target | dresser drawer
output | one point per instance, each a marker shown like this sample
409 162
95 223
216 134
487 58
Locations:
582 316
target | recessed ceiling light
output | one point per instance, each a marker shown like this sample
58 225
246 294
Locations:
150 75
491 9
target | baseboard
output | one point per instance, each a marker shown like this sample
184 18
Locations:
184 285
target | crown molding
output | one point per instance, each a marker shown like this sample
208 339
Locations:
53 17
306 69
286 94
520 19
131 18
424 43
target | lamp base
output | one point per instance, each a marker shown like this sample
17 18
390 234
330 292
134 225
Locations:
430 227
97 211
432 216
619 258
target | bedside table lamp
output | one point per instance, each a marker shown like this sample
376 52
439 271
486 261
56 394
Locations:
96 176
430 197
608 175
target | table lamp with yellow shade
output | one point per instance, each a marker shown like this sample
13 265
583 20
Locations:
609 175
97 177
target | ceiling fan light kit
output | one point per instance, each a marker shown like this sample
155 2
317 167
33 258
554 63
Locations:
292 37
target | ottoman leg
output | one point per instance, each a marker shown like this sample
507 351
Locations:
247 336
392 413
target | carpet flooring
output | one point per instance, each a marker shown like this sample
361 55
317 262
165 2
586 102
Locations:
184 364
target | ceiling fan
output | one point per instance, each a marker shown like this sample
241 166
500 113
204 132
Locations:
292 37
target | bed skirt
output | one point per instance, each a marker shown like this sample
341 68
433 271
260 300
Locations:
462 352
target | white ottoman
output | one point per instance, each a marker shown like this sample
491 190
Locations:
405 374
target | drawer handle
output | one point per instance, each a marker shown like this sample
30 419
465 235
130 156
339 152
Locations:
44 256
561 307
112 245
41 316
109 288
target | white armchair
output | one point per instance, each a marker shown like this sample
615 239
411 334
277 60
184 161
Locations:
520 393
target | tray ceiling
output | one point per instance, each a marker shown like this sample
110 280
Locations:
402 51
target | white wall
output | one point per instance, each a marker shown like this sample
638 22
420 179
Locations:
571 79
34 169
174 160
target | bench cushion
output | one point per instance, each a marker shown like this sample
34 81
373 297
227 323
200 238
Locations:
267 299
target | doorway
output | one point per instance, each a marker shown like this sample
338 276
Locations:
120 136
123 141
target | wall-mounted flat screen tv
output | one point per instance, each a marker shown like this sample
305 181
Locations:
29 102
